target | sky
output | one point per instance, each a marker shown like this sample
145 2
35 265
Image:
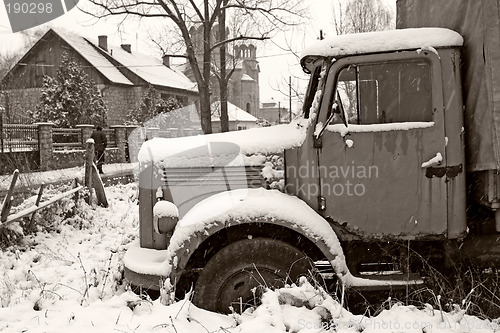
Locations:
277 65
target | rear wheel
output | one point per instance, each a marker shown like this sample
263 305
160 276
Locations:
235 274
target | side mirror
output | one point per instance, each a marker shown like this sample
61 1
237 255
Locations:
337 109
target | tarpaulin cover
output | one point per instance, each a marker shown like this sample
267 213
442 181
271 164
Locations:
478 22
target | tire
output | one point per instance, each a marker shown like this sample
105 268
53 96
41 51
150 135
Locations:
230 275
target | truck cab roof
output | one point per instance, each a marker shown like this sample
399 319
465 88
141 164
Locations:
381 41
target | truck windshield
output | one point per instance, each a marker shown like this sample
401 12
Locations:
311 90
385 92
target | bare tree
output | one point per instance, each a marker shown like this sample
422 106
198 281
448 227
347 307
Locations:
10 58
265 15
355 16
7 61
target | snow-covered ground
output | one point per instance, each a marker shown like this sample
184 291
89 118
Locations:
68 278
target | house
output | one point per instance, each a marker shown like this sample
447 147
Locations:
274 112
238 119
122 75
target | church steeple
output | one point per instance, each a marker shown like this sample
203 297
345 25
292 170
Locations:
244 51
243 87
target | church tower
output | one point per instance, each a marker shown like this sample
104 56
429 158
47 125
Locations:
245 87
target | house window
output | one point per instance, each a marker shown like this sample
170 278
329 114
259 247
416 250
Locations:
182 99
248 107
40 72
240 128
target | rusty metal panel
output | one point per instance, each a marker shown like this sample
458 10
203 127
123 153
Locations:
301 180
376 185
377 188
455 143
484 188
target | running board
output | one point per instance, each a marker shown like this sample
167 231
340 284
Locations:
376 281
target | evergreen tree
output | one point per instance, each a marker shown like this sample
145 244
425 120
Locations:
157 112
71 98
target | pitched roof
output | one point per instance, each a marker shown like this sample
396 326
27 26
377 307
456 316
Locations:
152 70
269 103
246 77
86 49
234 113
144 66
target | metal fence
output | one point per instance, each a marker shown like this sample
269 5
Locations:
179 132
67 138
111 136
18 137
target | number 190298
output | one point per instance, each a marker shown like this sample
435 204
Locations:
28 8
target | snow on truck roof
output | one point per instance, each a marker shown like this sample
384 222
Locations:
383 41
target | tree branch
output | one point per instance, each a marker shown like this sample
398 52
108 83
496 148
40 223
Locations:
216 12
219 44
197 10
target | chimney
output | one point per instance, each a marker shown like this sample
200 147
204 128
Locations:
103 42
166 60
126 47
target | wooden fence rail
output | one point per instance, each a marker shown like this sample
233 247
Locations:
92 180
6 219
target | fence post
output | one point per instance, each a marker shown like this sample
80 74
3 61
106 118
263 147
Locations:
86 132
121 141
1 129
131 142
45 145
89 161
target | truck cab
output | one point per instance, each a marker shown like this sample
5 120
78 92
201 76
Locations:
373 170
386 159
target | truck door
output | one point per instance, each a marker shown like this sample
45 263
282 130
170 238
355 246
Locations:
373 173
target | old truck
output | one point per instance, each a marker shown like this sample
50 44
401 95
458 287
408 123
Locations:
393 161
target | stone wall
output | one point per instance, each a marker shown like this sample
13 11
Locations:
74 158
47 158
17 103
120 100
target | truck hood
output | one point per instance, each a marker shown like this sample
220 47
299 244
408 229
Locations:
237 148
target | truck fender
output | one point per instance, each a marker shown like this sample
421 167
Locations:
247 206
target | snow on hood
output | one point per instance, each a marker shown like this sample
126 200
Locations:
222 149
383 41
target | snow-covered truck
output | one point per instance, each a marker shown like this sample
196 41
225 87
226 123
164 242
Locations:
393 160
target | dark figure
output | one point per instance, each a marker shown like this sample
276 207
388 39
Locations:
100 143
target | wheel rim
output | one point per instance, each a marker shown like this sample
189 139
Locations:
230 275
238 289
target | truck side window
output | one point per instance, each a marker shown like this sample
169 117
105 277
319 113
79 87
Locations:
347 96
386 92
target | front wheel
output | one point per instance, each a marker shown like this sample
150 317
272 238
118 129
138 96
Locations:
234 274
